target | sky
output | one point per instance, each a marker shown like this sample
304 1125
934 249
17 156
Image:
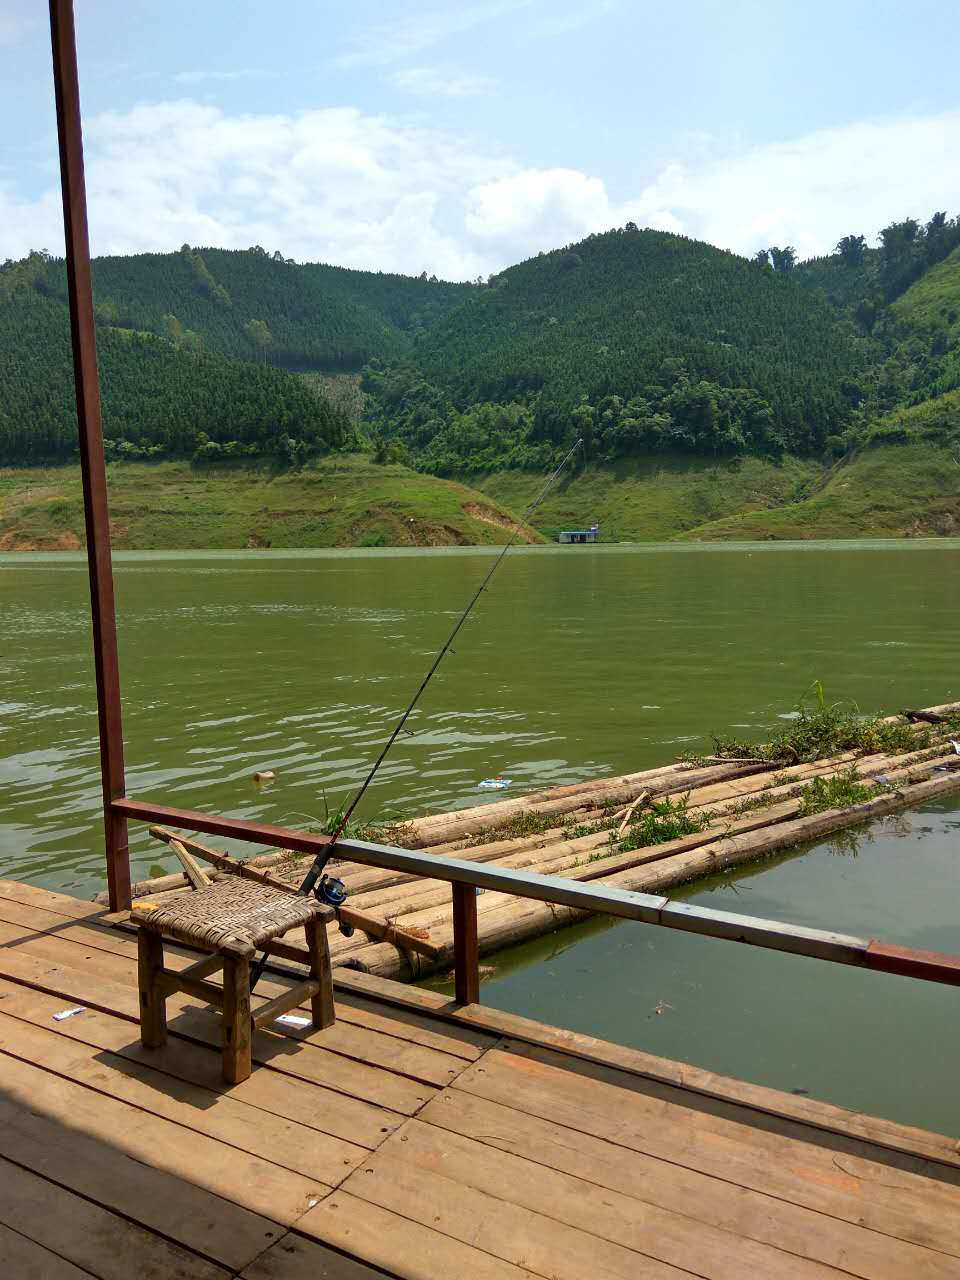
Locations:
456 139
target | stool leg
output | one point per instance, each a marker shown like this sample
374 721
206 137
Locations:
321 1005
237 1026
153 1001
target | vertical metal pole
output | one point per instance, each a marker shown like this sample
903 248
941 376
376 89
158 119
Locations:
93 469
466 952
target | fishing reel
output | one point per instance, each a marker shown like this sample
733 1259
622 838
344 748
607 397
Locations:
333 893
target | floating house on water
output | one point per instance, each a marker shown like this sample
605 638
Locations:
580 535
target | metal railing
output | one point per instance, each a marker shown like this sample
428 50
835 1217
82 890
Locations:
466 877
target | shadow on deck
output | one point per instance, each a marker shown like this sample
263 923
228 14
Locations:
415 1139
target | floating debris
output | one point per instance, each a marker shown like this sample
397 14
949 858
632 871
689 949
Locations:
264 775
499 783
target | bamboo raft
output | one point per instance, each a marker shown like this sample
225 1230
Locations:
404 926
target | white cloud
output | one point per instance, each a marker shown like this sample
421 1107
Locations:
542 208
443 84
520 210
812 190
333 185
340 186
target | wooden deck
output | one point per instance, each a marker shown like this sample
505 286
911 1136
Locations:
414 1139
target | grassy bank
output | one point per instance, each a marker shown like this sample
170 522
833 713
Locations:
341 502
654 500
893 491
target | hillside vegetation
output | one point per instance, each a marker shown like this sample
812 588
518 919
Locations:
903 482
637 341
160 398
258 306
339 502
713 396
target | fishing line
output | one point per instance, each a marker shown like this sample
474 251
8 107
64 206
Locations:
337 893
311 878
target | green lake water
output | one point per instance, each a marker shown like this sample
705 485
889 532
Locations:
579 662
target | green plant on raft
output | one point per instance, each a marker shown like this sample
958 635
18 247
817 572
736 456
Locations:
819 729
389 829
841 791
529 823
661 821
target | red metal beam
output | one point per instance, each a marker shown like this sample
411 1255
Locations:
465 876
93 470
466 949
932 966
214 825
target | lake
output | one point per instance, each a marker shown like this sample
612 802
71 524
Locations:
579 662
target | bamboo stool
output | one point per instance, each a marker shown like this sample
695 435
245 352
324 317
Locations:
232 919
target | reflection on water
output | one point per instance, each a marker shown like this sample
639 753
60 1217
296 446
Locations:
579 662
869 1041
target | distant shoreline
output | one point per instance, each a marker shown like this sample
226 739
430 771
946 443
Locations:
346 500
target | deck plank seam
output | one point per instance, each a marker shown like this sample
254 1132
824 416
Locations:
523 1263
331 1086
92 1088
474 1016
136 1222
692 1167
41 1245
309 1239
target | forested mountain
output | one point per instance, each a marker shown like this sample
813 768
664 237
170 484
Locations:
634 340
263 307
160 398
642 343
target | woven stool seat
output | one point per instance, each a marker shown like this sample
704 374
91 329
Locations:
232 914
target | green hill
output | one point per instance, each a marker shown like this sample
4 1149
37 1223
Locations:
714 396
895 491
636 340
655 500
256 306
933 303
905 483
160 398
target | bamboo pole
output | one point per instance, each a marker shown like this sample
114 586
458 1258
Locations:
521 919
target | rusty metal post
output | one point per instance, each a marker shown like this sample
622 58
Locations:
93 469
466 952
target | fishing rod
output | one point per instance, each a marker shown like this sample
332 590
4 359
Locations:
315 882
316 870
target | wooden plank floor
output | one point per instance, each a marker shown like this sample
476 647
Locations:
414 1139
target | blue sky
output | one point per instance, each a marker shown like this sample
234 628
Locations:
458 139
